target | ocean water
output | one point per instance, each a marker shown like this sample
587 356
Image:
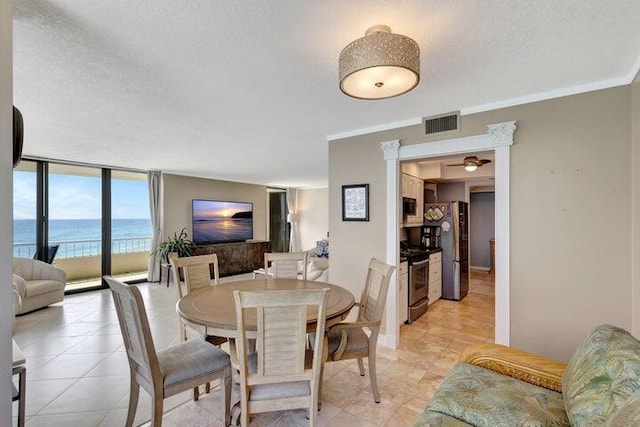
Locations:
222 229
82 237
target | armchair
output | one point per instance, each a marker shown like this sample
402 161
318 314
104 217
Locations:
349 340
37 283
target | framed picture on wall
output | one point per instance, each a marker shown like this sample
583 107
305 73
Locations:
355 202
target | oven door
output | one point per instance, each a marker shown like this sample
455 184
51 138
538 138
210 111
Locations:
419 281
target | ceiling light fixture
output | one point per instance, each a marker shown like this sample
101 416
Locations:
379 65
470 167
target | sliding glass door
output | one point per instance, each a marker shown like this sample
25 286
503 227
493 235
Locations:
75 222
87 221
130 225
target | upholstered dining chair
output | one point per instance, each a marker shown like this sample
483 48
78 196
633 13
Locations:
197 273
281 374
168 372
286 265
349 340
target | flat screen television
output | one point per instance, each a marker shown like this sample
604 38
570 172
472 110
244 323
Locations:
216 221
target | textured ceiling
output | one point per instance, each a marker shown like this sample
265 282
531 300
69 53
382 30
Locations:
247 90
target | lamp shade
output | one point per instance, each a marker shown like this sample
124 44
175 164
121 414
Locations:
379 65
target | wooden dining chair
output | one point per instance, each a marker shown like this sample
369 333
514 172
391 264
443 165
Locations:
198 272
287 265
349 340
281 374
168 372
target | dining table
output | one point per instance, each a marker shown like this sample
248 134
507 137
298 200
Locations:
214 306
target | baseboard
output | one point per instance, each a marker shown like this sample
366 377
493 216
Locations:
474 267
386 341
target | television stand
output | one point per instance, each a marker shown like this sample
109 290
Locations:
237 258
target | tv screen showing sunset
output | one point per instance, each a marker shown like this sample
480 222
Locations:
218 221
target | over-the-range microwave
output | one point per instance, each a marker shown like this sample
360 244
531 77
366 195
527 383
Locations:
408 206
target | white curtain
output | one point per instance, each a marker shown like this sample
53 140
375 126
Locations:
294 219
154 209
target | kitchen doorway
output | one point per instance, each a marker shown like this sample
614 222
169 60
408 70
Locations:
499 138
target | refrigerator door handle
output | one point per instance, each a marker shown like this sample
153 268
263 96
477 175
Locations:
456 280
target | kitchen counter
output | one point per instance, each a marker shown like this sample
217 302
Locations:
431 251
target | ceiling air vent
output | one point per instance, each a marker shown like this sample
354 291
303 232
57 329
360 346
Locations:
442 123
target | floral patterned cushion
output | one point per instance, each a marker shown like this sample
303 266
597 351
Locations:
437 419
627 415
481 397
601 376
322 248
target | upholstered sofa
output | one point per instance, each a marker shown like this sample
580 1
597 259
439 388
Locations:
318 261
499 386
37 283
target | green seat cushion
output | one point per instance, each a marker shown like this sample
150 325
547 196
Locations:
601 376
484 398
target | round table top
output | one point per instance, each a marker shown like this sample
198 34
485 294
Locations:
214 306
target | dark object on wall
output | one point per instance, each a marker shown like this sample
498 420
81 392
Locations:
355 202
216 221
18 134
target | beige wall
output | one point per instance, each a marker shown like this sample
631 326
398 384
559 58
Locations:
6 203
570 214
178 192
353 243
635 189
313 206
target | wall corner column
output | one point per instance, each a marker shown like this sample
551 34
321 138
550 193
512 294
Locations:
391 149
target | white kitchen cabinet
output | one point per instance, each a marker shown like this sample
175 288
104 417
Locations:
435 277
403 293
413 187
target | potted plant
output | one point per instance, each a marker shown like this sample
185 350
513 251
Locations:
178 243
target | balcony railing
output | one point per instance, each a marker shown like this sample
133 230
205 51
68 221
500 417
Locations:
87 248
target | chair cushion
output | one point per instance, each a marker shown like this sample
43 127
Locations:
190 359
357 339
280 391
481 397
601 376
39 287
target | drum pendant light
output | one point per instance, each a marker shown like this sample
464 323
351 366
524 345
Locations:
379 65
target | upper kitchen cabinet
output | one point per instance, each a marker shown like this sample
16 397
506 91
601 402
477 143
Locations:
413 188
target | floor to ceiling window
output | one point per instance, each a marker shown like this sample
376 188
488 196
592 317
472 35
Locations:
130 225
75 222
25 209
94 220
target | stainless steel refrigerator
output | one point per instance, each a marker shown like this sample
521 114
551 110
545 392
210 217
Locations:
452 217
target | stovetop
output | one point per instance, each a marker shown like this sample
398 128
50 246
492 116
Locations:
413 254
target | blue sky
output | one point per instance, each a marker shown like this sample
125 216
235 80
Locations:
79 197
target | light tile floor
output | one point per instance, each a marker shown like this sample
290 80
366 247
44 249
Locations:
78 374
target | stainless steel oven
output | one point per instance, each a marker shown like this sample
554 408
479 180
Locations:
418 288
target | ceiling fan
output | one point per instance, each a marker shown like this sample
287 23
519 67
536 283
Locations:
472 163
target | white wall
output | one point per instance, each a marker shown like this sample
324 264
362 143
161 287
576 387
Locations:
313 206
6 206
